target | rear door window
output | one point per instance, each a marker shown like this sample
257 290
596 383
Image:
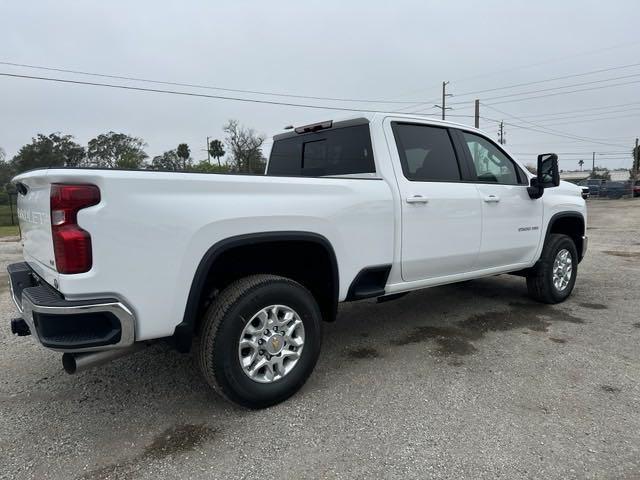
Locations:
339 151
426 153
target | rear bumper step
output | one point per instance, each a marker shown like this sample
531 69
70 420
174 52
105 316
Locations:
69 325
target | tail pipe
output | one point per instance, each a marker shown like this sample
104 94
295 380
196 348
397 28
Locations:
78 362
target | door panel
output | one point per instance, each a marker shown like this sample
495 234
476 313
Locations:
441 237
441 216
511 220
511 226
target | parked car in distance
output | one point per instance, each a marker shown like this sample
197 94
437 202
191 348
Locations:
636 188
595 186
615 190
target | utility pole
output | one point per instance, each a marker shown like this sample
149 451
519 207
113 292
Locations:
208 154
636 162
501 138
444 107
593 163
477 115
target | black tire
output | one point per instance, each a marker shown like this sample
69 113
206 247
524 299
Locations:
540 280
223 325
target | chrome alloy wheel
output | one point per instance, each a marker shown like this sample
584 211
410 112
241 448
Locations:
271 343
562 269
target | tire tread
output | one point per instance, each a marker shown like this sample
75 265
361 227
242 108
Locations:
214 317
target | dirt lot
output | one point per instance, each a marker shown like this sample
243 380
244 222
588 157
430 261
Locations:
465 381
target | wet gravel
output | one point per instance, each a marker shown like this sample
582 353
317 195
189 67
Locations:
463 381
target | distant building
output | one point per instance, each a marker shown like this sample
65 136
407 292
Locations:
616 175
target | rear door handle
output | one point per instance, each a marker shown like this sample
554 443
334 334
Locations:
417 199
492 199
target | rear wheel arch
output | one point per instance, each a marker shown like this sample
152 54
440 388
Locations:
253 254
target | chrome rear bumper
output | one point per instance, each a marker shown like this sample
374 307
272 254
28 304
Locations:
69 325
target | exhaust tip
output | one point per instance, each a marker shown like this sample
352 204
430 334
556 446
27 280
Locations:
79 362
69 363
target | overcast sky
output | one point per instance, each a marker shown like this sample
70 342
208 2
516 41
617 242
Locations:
400 50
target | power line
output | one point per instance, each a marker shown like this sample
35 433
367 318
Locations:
543 62
547 132
190 94
592 72
546 62
632 115
518 94
208 87
585 115
585 110
543 129
563 93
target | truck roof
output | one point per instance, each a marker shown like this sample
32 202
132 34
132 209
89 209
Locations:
365 117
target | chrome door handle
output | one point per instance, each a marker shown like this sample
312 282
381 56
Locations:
492 199
417 199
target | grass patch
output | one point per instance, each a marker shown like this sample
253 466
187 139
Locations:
5 215
9 231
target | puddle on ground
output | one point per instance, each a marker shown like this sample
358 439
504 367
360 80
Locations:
618 253
364 352
178 439
637 325
609 389
557 340
175 440
593 306
457 339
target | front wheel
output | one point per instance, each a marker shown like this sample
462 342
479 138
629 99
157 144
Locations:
260 340
553 278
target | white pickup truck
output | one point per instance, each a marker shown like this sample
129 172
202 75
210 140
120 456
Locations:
247 268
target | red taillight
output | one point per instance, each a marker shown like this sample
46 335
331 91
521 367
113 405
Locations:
71 244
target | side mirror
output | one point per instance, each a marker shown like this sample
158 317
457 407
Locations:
548 175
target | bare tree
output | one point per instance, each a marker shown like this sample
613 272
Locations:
244 147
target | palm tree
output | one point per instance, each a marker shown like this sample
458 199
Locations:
581 163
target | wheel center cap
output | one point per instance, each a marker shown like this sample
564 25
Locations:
274 344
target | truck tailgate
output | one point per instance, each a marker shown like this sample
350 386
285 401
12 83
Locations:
35 223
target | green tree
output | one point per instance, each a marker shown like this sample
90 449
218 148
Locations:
600 173
168 161
244 146
55 150
216 150
6 174
184 154
116 150
206 167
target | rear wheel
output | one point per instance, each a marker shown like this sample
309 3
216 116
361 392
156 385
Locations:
553 278
260 340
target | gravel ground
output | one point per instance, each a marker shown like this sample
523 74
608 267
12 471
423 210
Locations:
463 381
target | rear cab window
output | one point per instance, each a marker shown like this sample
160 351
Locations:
337 151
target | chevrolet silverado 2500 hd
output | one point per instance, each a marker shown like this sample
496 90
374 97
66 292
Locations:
246 268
